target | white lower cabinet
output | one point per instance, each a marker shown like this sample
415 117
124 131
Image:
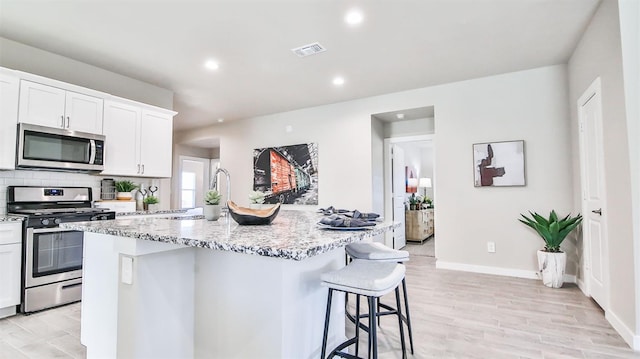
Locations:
10 260
138 140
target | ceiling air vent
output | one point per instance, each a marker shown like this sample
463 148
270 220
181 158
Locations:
311 49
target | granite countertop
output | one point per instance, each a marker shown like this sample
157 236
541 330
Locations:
292 235
139 213
11 218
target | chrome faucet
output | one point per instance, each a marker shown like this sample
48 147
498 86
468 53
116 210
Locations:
214 184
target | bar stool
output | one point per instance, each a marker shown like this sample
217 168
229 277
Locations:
378 252
370 279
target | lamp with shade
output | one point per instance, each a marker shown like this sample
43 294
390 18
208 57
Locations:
425 182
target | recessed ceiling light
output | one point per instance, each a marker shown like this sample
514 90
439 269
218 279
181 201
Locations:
400 116
221 120
353 17
211 65
338 81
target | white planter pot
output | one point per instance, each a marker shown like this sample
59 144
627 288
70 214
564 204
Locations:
124 196
552 267
211 212
153 207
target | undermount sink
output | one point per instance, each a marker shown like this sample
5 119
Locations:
180 218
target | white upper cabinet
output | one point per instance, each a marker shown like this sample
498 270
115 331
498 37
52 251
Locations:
138 140
156 144
122 138
9 90
54 107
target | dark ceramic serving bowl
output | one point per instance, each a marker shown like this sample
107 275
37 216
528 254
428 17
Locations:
252 217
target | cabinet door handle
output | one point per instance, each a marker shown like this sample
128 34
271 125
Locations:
138 168
62 122
143 169
67 121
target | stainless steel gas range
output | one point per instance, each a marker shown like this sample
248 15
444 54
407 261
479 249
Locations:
52 256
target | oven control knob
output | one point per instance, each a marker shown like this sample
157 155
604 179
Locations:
44 221
56 221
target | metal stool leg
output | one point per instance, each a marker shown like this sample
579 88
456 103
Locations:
399 313
357 322
373 339
326 324
407 315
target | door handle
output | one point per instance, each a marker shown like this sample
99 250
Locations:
62 124
597 211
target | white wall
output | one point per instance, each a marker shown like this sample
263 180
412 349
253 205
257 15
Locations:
377 164
528 105
599 54
343 135
629 11
420 126
17 56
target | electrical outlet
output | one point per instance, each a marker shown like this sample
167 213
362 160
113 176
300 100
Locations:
126 270
491 247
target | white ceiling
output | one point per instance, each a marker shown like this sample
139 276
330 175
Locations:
400 45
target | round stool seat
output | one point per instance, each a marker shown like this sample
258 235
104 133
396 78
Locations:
375 251
366 278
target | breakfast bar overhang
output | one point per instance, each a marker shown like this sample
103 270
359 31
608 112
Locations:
184 287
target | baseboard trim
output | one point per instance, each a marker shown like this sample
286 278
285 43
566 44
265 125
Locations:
625 332
507 272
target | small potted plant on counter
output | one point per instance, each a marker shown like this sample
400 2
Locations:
124 189
212 205
257 199
151 203
553 230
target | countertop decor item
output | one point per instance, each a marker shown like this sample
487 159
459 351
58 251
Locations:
248 216
124 189
553 230
257 199
151 203
211 208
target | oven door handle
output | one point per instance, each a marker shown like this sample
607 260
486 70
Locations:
51 230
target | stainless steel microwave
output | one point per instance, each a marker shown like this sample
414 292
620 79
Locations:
59 149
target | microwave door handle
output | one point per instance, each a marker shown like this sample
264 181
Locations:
92 151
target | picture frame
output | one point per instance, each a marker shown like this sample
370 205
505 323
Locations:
499 164
287 174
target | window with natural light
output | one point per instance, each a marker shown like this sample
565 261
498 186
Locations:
188 190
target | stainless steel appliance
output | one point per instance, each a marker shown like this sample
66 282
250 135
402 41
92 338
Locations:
56 148
52 256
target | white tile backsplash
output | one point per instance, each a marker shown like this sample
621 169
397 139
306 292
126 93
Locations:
46 178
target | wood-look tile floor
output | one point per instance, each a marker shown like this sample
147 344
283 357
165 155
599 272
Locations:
454 314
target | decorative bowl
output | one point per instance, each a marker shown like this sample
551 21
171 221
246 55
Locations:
248 216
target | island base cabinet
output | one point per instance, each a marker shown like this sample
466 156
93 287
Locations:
185 302
249 306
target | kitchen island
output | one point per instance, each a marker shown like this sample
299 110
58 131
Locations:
184 287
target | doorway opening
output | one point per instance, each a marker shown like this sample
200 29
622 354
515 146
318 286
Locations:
405 139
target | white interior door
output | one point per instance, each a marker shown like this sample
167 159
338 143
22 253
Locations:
593 194
398 191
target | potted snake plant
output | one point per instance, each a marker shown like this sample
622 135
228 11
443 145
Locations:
553 230
212 205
